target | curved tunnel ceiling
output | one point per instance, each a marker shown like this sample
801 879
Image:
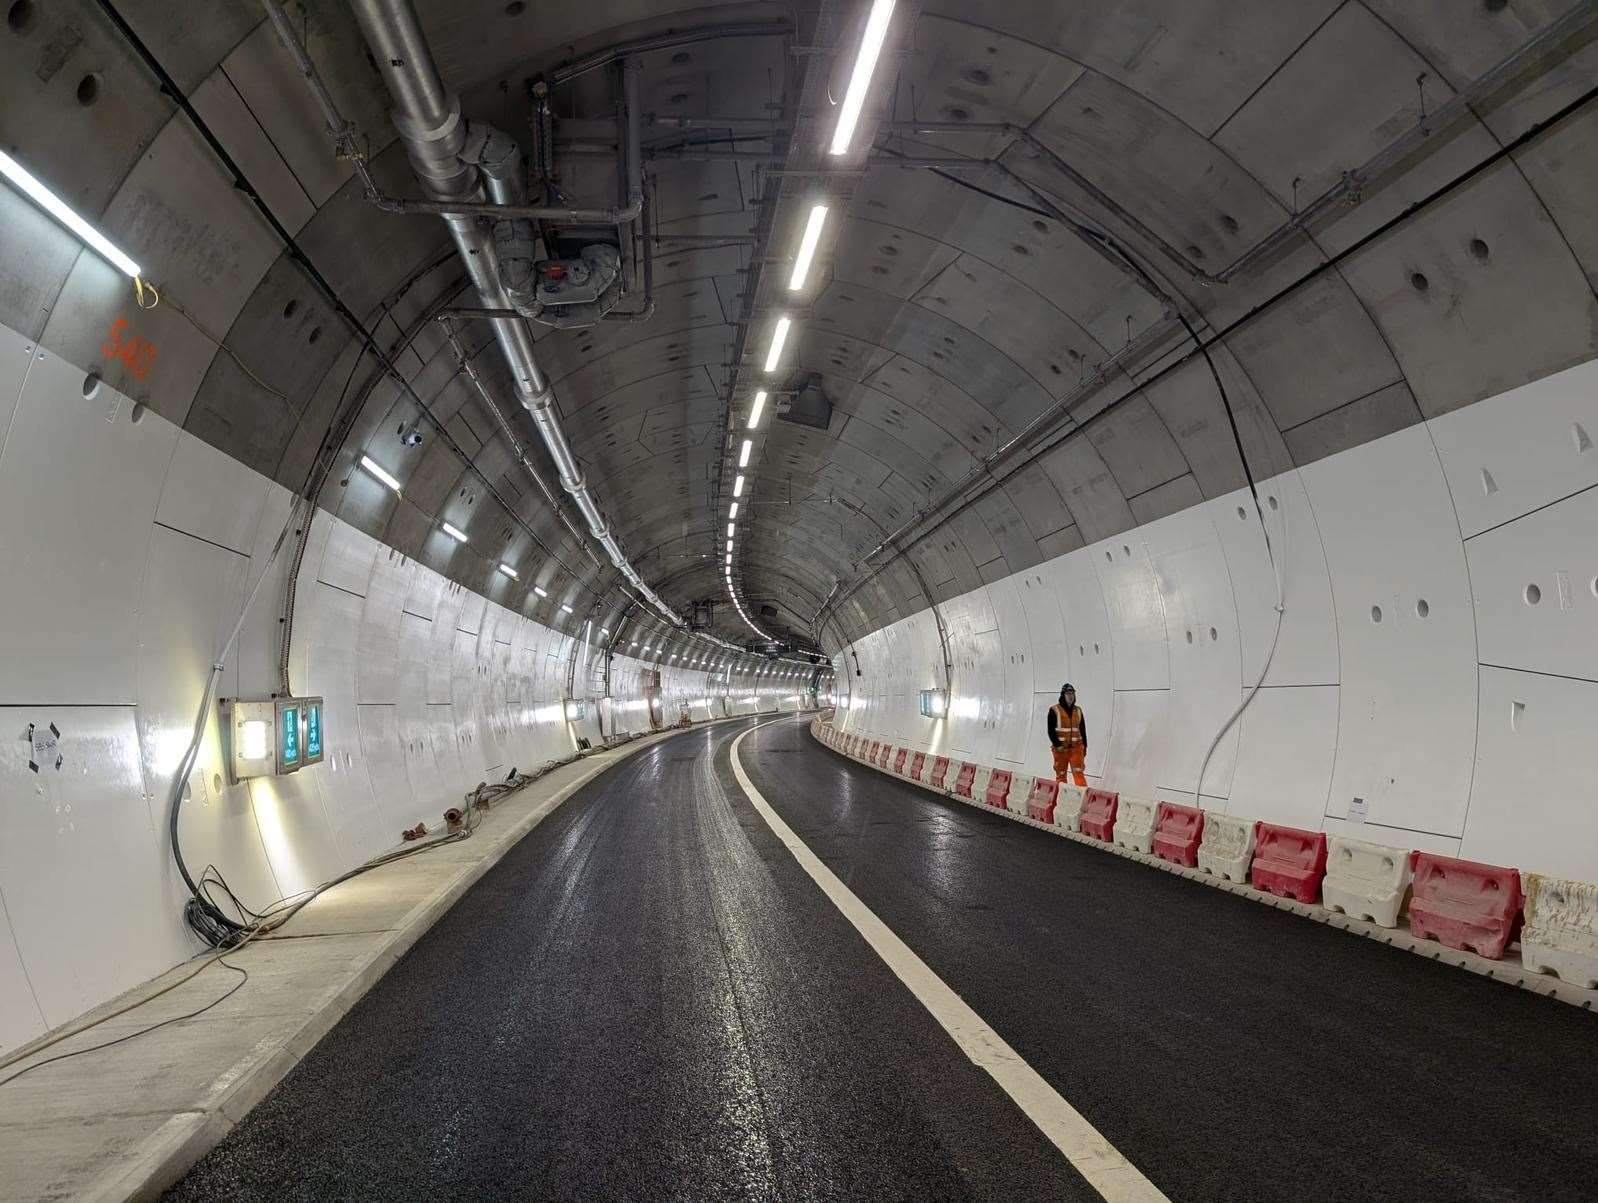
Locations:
952 308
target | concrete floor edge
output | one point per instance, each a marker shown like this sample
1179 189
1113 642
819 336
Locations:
160 1161
1502 972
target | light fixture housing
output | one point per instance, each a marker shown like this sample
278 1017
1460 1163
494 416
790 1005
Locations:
381 473
454 532
757 409
565 608
865 65
36 191
538 589
807 247
744 451
738 485
779 336
511 572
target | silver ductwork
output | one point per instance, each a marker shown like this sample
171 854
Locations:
457 165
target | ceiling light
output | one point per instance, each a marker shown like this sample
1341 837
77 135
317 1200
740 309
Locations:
538 589
731 526
58 209
738 486
510 572
778 336
455 533
807 247
759 408
743 453
729 559
382 473
732 511
565 607
854 99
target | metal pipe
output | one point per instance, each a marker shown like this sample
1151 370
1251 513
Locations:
464 208
429 121
341 129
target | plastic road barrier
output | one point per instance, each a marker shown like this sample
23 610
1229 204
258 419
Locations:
1041 800
918 765
1177 831
1068 811
1227 846
940 772
998 789
1288 861
962 783
1098 813
899 759
1364 880
1465 905
1561 932
1134 824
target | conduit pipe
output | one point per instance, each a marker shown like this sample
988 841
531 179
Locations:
428 118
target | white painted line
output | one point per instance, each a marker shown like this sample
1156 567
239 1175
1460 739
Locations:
1109 1173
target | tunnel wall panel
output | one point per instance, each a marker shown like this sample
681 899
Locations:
1414 672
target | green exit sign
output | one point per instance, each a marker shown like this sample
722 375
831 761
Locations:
288 747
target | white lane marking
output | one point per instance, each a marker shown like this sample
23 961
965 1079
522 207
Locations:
1109 1173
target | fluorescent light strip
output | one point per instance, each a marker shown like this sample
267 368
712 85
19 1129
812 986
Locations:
779 336
565 607
732 512
730 527
508 571
807 248
743 453
57 208
382 473
759 408
455 533
854 99
538 589
738 485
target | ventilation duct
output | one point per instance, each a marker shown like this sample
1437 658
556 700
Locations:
809 405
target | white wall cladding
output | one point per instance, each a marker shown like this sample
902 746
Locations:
128 547
1438 655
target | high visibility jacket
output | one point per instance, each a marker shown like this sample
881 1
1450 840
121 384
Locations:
1069 728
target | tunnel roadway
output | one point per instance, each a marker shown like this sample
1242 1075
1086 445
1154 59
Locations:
650 999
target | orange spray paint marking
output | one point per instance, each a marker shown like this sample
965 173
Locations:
136 354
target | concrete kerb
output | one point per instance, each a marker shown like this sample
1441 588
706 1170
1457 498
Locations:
1506 972
159 1161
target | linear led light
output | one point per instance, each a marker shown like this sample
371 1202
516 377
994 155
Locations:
455 533
731 526
743 453
539 589
807 248
738 485
382 473
732 511
508 571
565 607
729 559
854 98
759 408
779 336
57 208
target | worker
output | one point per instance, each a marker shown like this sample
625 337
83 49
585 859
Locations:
1068 735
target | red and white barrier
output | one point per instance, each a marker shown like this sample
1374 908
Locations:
1134 825
1561 932
1177 832
1288 861
1464 904
1099 807
997 793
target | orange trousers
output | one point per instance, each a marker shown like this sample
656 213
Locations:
1072 759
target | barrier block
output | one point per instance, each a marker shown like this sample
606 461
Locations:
1288 861
1098 813
940 771
1068 808
1020 790
1042 798
998 791
1227 846
1465 905
899 759
962 782
1364 880
1561 932
888 753
1177 832
881 758
875 751
918 767
1134 824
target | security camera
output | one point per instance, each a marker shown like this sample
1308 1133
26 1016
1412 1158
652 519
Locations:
410 436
